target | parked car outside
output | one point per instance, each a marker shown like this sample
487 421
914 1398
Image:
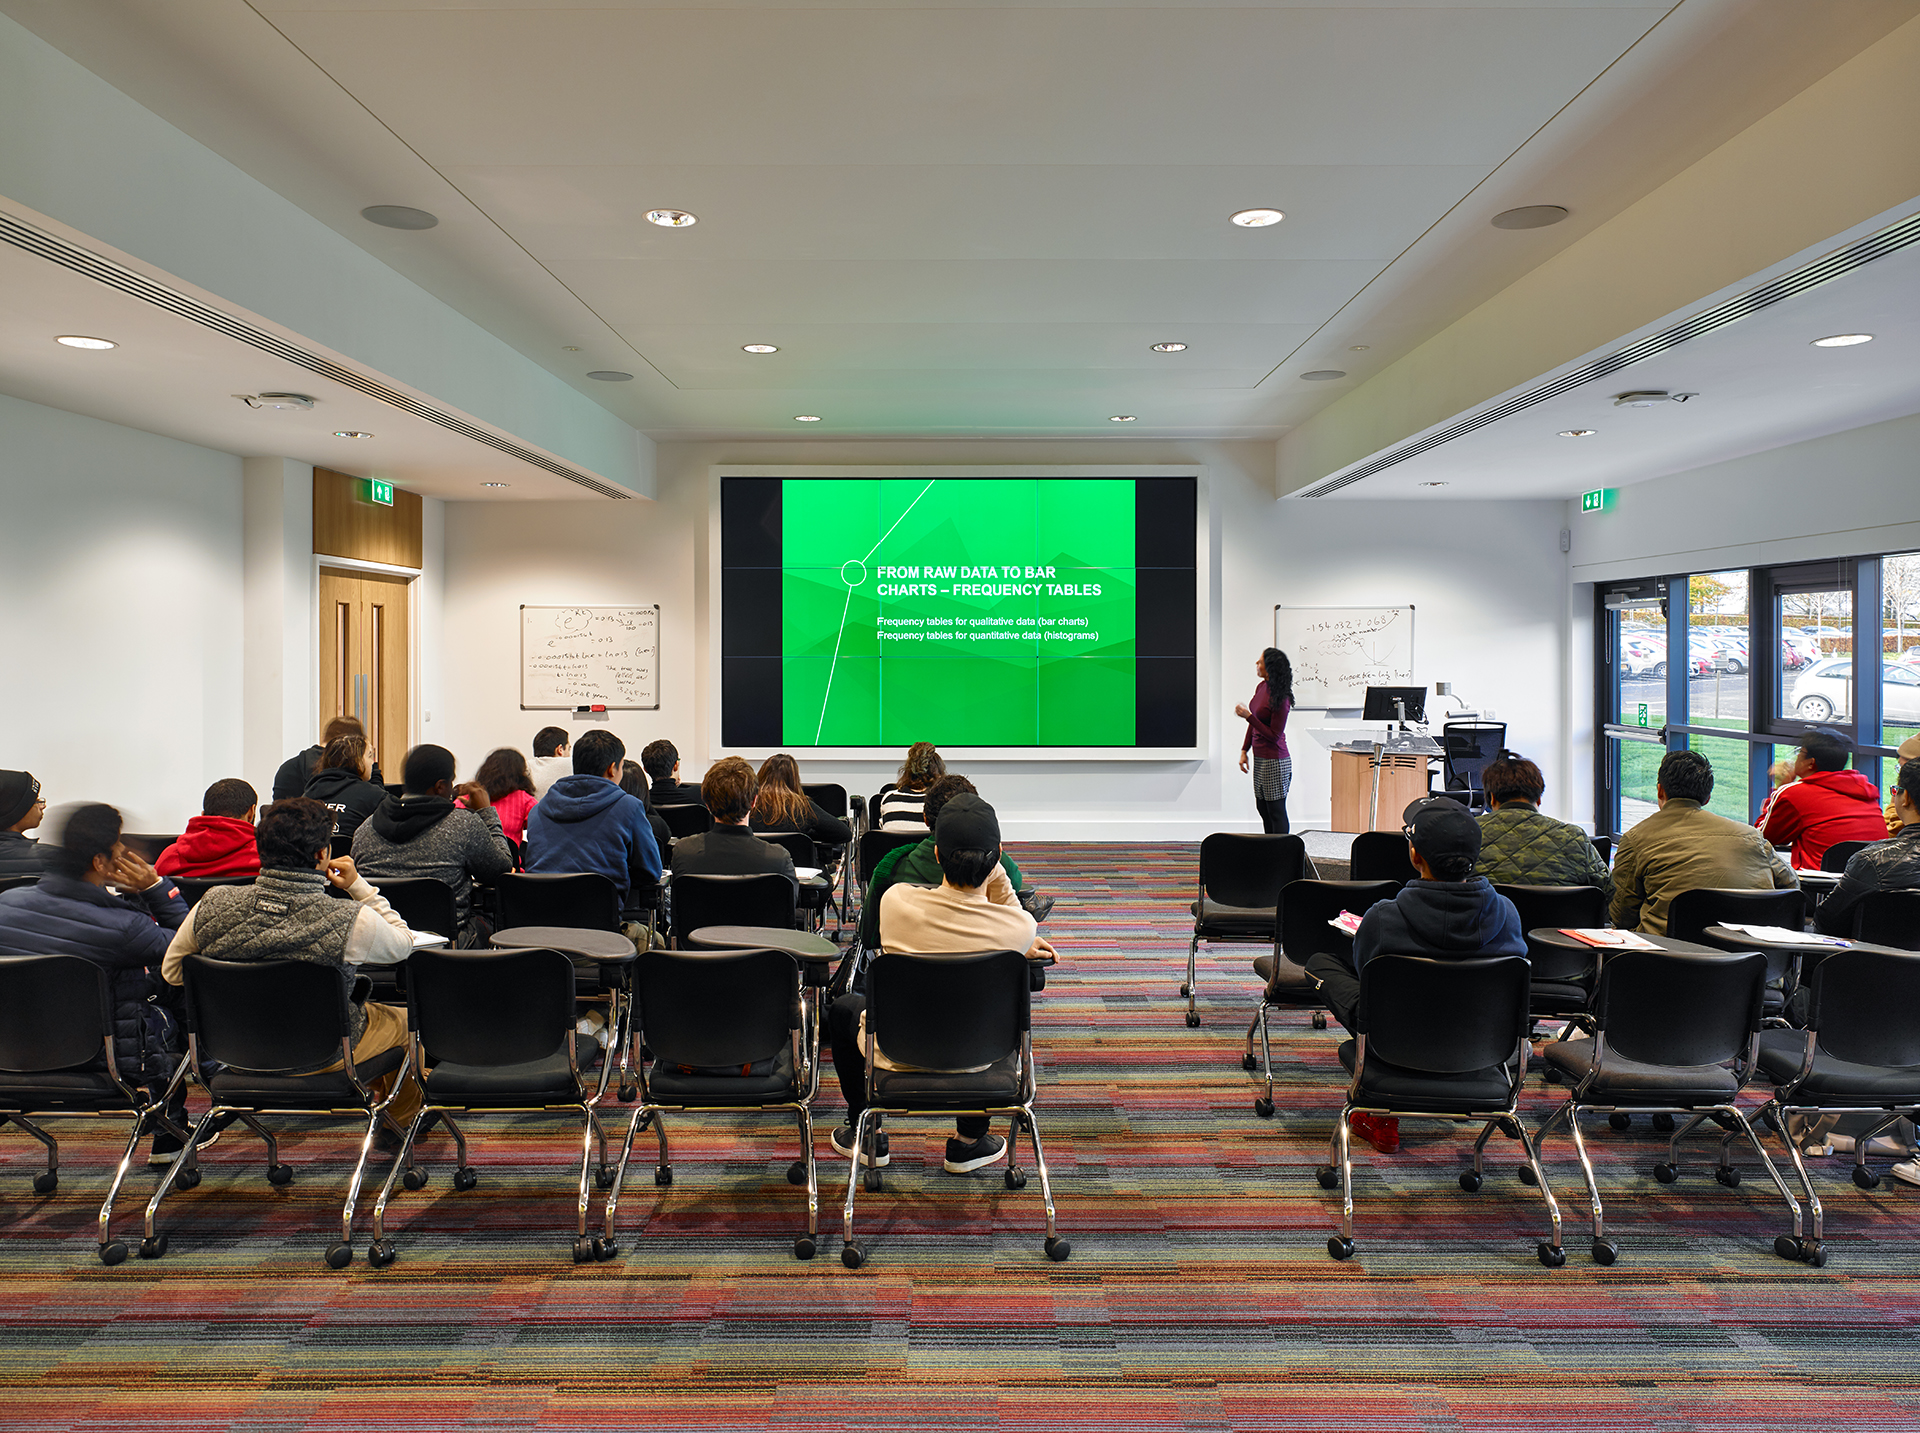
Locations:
1825 691
1797 650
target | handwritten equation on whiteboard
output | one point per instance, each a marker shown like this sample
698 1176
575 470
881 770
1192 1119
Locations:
1338 652
589 656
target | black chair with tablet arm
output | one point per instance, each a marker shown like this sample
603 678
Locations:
1241 878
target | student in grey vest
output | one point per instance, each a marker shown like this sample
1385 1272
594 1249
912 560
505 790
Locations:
289 914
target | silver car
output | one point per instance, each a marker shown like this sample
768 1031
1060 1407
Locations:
1825 691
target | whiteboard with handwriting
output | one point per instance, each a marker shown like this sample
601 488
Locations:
1338 652
589 656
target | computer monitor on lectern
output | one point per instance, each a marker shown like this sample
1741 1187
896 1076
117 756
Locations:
1380 703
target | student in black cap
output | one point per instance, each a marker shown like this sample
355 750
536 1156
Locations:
1448 912
21 808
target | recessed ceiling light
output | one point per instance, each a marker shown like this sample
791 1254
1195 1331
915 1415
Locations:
1530 216
1256 218
571 348
610 375
1123 418
398 216
1578 432
1323 375
806 417
493 485
1440 484
1358 347
350 433
78 340
1169 348
759 348
1838 340
671 218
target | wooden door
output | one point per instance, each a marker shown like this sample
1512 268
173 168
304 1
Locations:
364 658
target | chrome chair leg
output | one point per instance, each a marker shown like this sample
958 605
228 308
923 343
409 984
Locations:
1540 1178
1766 1163
620 1170
1039 1164
120 1173
1193 983
853 1175
1694 1121
186 1159
589 1127
1266 1051
805 1118
1343 1139
1586 1169
1815 1214
52 1144
1480 1145
348 1207
403 1160
272 1141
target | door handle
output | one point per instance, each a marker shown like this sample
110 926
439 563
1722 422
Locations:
360 696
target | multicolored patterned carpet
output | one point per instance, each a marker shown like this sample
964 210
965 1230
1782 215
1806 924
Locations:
1199 1295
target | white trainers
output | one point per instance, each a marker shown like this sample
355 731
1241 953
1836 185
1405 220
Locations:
1907 1172
1881 1144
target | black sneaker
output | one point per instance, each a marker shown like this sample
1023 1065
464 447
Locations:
167 1147
965 1156
1037 906
842 1140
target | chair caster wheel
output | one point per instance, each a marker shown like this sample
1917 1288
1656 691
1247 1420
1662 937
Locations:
1470 1181
1263 1108
1865 1177
1553 1258
339 1255
189 1179
1666 1173
603 1176
1193 1020
628 1094
1058 1249
1016 1179
1605 1251
797 1172
1616 1120
1319 1019
1248 1063
1328 1176
803 1247
1663 1124
381 1253
1340 1247
1770 1117
663 1176
1527 1176
113 1252
605 1248
47 1182
1728 1176
1788 1247
414 1179
1185 991
582 1249
870 1181
279 1174
1818 1258
853 1256
153 1248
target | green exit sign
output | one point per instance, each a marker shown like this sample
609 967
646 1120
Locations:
1594 501
379 492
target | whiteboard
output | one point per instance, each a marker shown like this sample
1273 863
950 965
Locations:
589 656
1338 652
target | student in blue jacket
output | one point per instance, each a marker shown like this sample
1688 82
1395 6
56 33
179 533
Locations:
585 822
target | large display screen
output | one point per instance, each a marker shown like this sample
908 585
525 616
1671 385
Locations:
972 612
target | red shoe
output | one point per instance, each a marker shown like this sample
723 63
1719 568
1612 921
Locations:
1382 1132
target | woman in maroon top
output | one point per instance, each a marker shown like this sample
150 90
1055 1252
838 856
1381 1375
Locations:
1266 719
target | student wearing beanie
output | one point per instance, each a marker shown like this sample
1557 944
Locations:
21 808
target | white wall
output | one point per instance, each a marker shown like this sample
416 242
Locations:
121 589
1488 581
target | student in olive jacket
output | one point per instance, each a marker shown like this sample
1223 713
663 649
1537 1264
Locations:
1521 847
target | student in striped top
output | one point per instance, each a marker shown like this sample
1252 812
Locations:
904 807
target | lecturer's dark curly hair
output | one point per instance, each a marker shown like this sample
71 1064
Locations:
1279 676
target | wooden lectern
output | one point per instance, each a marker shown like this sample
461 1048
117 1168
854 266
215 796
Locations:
1403 779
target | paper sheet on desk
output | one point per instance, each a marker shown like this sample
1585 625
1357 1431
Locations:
423 938
1606 938
1782 935
806 873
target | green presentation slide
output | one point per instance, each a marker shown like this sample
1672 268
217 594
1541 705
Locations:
1004 606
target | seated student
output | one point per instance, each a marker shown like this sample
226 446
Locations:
1825 803
219 841
1908 750
21 807
917 865
661 760
288 913
72 912
633 781
954 918
782 804
1684 847
587 823
730 848
297 770
551 760
1521 847
437 831
509 786
1889 865
1448 912
903 808
343 784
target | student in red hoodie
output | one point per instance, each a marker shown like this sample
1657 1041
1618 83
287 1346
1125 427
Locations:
1825 803
221 841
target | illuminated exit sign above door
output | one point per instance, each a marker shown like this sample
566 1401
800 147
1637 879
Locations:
379 492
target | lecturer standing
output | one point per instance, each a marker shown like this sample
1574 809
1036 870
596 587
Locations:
1266 719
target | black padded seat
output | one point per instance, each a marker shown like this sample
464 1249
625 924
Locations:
1220 921
1554 997
273 1090
1781 1052
528 1083
76 1090
670 1085
1283 977
935 1089
1412 1092
1681 1084
1242 879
